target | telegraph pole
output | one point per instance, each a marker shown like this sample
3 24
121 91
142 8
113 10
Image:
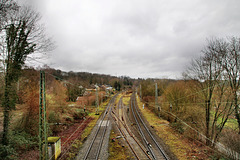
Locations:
158 108
156 97
140 92
43 149
101 99
97 103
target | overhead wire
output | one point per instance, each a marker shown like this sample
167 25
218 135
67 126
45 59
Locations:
69 139
64 81
183 122
198 92
161 110
216 144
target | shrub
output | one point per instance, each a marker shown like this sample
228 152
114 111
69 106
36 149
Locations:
18 141
231 140
22 140
178 126
79 114
69 118
7 152
53 119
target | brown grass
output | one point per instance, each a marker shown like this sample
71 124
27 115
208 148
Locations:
182 147
116 151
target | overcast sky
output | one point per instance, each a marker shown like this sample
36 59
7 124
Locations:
136 38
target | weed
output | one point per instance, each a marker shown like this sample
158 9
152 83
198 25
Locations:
116 151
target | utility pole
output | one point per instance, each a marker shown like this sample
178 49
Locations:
97 103
156 100
43 149
156 97
140 92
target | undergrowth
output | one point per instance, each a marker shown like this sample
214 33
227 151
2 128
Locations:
19 141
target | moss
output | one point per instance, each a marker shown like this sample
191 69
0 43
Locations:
53 139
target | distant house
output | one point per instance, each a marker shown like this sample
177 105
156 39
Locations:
87 93
109 88
82 100
238 93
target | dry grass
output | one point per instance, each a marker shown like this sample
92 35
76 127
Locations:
182 147
126 99
116 151
118 98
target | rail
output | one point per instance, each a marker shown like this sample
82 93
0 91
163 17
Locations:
133 104
128 131
99 134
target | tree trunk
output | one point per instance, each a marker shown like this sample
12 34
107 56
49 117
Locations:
237 110
6 105
207 122
5 139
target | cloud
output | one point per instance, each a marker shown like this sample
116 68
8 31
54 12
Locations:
137 38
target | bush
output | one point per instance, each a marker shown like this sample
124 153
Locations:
178 126
53 119
232 140
7 152
68 118
79 114
18 141
22 141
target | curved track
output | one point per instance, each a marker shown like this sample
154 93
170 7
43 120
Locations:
154 149
138 150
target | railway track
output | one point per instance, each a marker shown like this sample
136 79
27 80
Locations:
137 149
147 138
95 146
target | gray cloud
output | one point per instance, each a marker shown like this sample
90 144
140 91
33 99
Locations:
137 38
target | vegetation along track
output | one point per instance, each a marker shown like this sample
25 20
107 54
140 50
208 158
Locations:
154 149
138 150
94 148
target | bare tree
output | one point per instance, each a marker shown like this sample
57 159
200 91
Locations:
223 108
23 36
231 64
6 7
208 72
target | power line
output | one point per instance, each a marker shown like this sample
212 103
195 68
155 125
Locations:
198 103
171 114
70 137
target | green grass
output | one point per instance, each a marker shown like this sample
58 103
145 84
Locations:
231 123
